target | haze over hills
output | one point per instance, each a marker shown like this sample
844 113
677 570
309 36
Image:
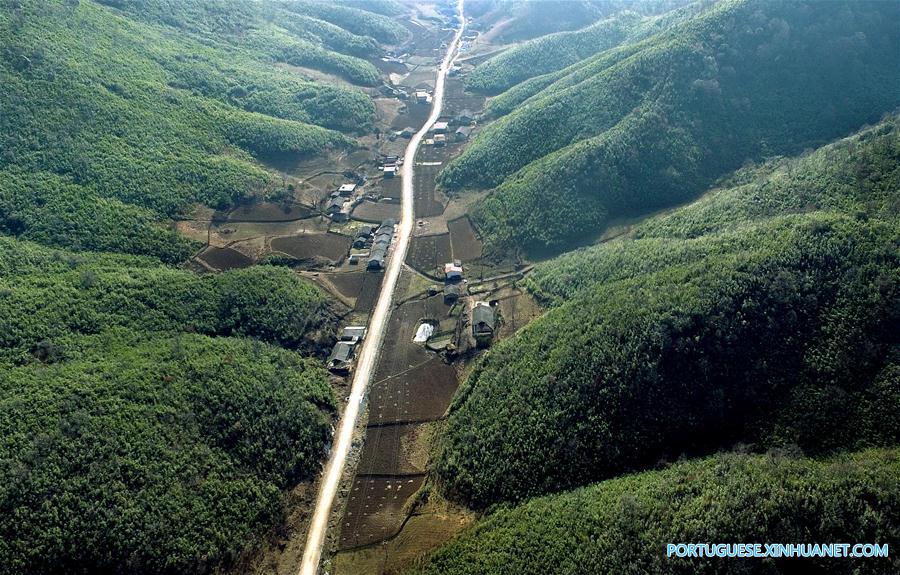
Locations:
645 125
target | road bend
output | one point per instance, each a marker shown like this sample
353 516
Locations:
368 357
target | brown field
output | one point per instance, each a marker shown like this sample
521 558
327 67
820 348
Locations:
376 212
368 291
392 450
375 509
268 212
428 528
390 188
517 312
421 394
457 99
428 202
306 246
466 245
428 253
348 284
225 258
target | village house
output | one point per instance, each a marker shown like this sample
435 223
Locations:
422 97
452 293
346 190
353 333
407 132
453 271
465 117
463 133
483 323
440 140
341 356
389 171
440 127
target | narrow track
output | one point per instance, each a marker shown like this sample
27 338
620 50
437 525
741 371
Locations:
368 357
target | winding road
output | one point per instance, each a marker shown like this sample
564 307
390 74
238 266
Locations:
368 357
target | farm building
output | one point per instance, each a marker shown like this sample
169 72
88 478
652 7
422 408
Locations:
353 333
336 209
453 271
347 190
463 133
376 258
482 322
341 356
465 117
452 293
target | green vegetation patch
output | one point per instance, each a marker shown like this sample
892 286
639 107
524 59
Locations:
645 126
765 313
152 454
623 525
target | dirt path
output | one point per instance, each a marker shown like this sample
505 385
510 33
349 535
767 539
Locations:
369 354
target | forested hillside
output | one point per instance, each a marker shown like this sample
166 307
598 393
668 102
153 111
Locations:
647 124
151 419
142 453
623 525
145 107
766 313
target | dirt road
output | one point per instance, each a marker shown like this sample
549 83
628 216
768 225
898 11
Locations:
369 355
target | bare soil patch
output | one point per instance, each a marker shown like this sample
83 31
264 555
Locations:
428 253
225 258
269 212
307 246
375 509
466 245
376 211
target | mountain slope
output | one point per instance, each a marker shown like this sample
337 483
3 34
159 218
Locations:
775 321
156 106
624 525
655 121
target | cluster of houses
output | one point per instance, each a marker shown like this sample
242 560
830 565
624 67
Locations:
376 240
390 165
340 203
342 354
483 320
439 132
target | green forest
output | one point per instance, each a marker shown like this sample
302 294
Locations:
152 419
766 313
647 124
623 525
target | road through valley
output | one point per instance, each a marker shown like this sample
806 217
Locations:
368 356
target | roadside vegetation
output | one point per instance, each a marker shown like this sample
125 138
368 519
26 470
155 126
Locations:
647 125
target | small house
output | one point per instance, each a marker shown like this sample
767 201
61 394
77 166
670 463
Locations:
440 140
465 117
453 272
440 127
483 322
341 356
389 171
452 293
353 333
357 257
347 190
407 132
463 133
422 97
376 258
